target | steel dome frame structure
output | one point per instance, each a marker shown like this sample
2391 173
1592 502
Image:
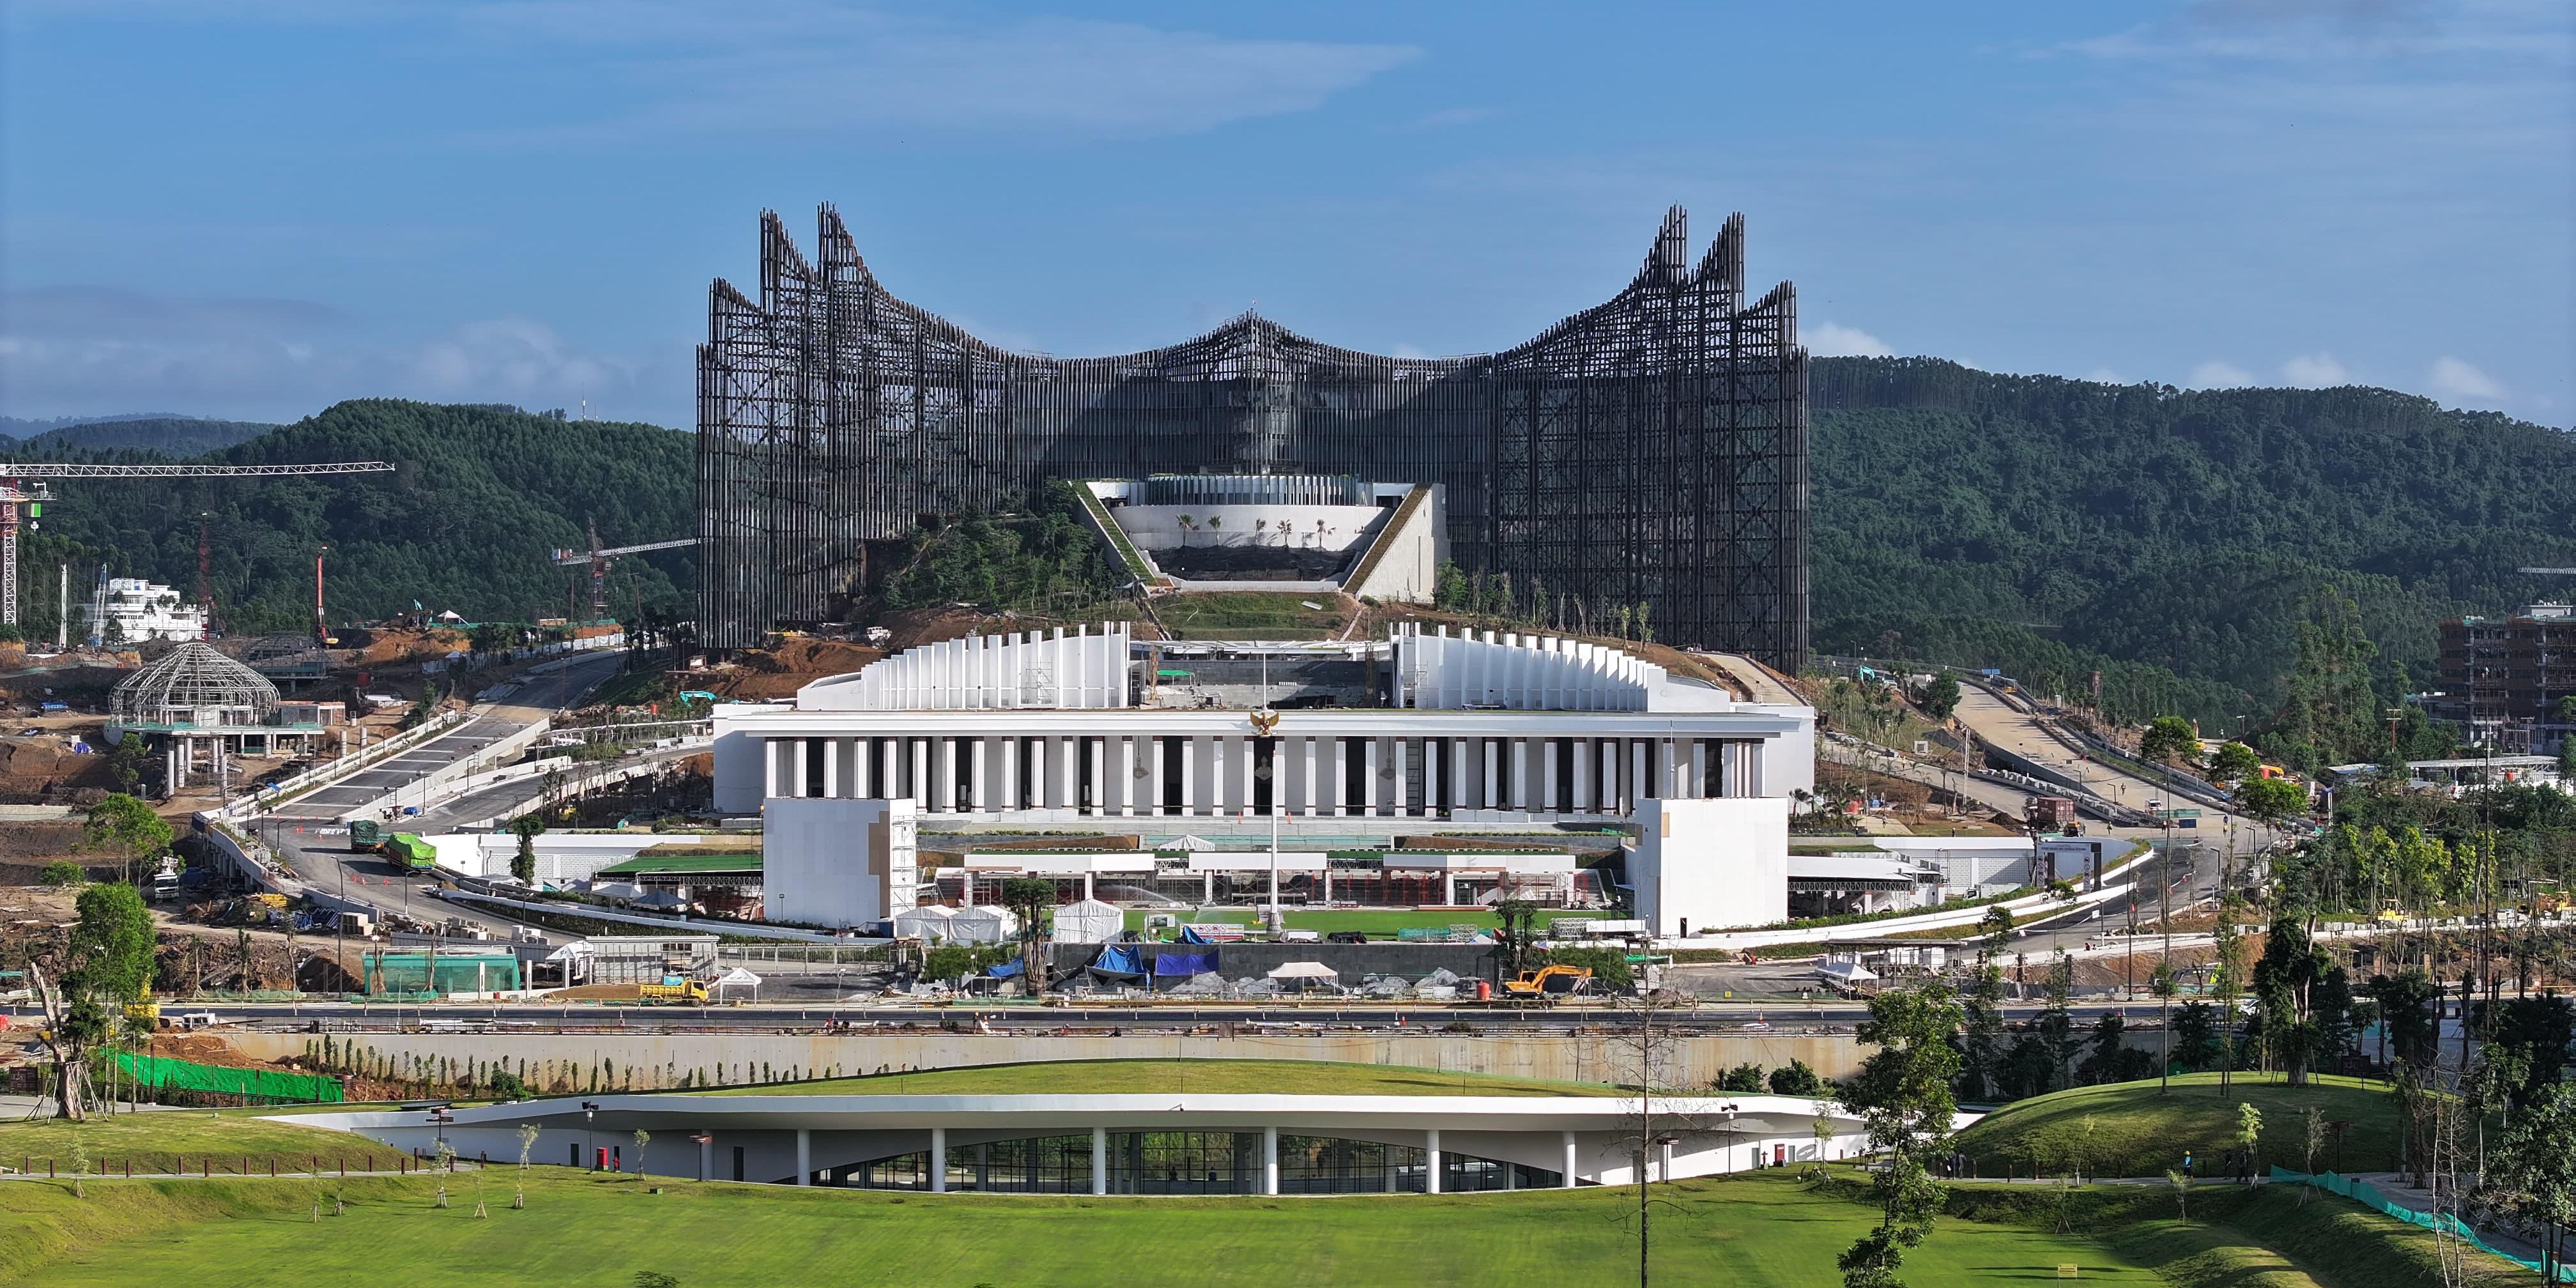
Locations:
1647 455
193 677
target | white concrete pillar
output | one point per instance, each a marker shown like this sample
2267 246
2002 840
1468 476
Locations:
1371 756
1341 775
938 1159
769 754
1667 767
1036 792
832 771
1698 769
1584 760
1153 752
1098 755
1547 777
804 1156
1399 756
1567 1181
1250 778
1522 797
1310 786
943 785
1099 1160
1458 766
1489 752
1122 779
1431 1161
1640 787
1270 1160
1068 773
980 755
1191 750
920 793
799 766
1611 798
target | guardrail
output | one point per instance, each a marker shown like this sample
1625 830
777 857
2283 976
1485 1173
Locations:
591 912
462 767
323 775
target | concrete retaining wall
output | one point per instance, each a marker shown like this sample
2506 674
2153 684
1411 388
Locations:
1236 961
650 1061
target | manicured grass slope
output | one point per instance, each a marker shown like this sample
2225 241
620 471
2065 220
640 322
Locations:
159 1139
2134 1131
581 1230
1094 1077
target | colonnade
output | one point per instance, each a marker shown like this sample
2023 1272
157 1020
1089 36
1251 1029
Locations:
1236 775
938 1161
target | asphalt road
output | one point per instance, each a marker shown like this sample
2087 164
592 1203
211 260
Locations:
324 861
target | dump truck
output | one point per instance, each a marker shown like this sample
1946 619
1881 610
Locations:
675 988
406 849
1547 983
365 835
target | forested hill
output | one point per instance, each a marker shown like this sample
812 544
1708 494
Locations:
2178 528
2038 524
467 521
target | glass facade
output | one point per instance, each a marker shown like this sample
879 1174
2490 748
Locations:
1191 1162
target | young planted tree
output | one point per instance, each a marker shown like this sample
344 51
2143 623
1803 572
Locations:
643 1138
128 826
527 1143
2249 1137
523 865
1030 899
1902 1093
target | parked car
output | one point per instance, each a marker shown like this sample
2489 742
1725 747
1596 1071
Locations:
1347 937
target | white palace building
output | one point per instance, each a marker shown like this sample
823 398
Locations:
1480 733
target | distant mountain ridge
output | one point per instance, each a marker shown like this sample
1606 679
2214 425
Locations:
175 436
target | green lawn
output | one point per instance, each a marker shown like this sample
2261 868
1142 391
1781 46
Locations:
2128 1129
1381 923
159 1140
583 1230
1095 1077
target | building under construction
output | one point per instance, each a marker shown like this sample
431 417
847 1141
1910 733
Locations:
1644 460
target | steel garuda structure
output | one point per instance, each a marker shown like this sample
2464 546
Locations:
1646 455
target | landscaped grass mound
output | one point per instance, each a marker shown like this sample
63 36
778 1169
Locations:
587 1229
2132 1129
201 1140
1158 1077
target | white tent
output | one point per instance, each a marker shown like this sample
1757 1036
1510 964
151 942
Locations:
735 979
1846 971
1305 970
1190 843
927 924
984 924
1089 922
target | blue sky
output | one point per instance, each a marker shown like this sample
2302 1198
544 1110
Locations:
256 208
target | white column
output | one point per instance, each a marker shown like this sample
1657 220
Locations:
1190 749
1458 798
804 1156
1038 782
1250 777
862 762
1698 769
1097 752
920 773
1123 779
1100 1160
1612 800
1490 752
980 751
1152 748
800 766
1585 801
1370 757
1668 781
1639 786
1547 777
943 783
1399 754
769 754
1568 1172
1522 797
938 1160
1431 1161
1341 774
832 771
1310 787
1068 773
1270 1160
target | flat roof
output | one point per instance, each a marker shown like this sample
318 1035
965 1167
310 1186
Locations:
650 864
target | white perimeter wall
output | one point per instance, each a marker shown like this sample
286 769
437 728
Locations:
1711 863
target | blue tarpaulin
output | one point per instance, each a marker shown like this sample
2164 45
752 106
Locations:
1169 963
1118 959
1005 970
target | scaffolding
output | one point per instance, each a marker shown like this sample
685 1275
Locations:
1643 460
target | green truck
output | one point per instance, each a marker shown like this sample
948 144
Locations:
409 850
365 835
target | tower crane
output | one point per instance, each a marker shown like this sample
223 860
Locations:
23 494
597 557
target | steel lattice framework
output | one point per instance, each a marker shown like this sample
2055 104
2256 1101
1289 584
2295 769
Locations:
1650 452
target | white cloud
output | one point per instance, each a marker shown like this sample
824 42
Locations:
2106 376
1829 340
90 351
2457 380
2220 375
2314 371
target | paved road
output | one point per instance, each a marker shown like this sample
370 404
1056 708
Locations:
324 861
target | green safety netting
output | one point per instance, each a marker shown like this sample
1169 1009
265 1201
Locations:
2368 1195
258 1084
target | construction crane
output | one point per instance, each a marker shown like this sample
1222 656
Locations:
23 495
597 557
